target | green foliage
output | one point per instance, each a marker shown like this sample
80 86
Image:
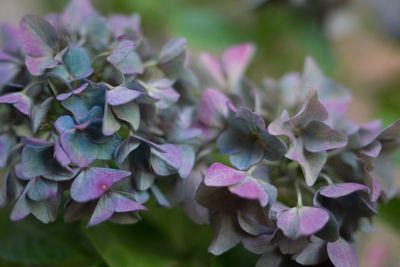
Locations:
31 243
390 213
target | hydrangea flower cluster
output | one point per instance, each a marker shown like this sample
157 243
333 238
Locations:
95 122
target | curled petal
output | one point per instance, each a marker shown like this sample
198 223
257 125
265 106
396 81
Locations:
343 189
20 101
312 110
302 221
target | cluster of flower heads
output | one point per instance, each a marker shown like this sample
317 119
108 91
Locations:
95 122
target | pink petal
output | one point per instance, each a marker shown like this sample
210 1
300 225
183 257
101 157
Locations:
220 175
342 189
213 107
250 189
213 67
235 60
342 254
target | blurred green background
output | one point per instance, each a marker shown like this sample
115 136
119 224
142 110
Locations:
347 38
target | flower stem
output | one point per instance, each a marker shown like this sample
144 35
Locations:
298 192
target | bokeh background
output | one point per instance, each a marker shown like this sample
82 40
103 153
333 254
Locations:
355 42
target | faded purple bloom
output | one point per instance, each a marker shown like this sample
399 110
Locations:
247 140
41 43
239 183
310 138
113 122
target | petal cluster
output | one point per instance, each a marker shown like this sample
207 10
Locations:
95 119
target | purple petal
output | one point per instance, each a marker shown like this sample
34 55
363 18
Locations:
172 58
250 189
167 162
110 124
77 91
188 160
125 148
130 113
172 49
318 137
21 208
10 38
121 95
375 186
60 154
19 101
372 150
93 182
166 97
313 254
342 254
10 98
235 60
225 235
7 57
6 144
125 58
366 134
42 189
343 189
39 113
220 175
37 65
311 163
280 126
214 68
76 13
35 141
39 38
312 110
391 132
62 97
122 24
110 203
64 123
213 108
302 221
8 71
270 260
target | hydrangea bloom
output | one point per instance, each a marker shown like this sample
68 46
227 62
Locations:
93 116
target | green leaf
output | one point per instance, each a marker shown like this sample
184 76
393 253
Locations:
32 243
137 245
390 213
